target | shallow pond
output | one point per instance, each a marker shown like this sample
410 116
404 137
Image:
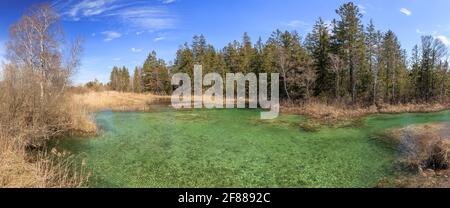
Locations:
233 148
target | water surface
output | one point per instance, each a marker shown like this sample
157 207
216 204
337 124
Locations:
233 148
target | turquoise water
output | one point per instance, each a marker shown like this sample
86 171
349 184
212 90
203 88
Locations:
233 148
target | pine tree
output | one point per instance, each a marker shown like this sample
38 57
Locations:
114 79
293 63
155 75
432 52
124 80
351 48
246 52
137 80
184 62
393 68
373 53
231 56
318 44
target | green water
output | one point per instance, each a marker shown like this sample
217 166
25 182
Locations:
233 148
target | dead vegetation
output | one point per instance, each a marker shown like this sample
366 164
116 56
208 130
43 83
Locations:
20 168
333 114
93 101
425 151
34 104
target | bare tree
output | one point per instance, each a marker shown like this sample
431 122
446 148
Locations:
36 76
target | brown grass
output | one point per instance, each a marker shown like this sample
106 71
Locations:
332 114
110 100
425 152
20 169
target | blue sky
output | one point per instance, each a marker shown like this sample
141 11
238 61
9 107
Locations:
121 32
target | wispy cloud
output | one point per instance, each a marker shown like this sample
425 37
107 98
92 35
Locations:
136 50
406 12
295 24
111 35
142 15
362 9
160 37
88 8
167 1
444 39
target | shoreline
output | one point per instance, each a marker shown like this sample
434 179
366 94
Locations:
335 115
318 113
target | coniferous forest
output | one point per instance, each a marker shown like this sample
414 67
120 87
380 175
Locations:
342 60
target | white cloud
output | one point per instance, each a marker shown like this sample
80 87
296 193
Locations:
362 9
136 50
89 8
295 24
444 39
137 14
406 12
167 1
159 39
111 35
161 36
153 23
139 32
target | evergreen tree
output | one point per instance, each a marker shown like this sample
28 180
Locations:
184 62
393 68
432 52
318 44
351 48
155 75
114 79
137 80
373 53
293 63
124 80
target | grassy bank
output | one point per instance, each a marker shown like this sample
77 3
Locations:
332 114
20 168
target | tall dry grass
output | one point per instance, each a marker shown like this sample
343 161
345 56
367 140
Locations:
93 101
334 113
20 169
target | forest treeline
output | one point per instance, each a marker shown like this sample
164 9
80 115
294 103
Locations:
153 77
341 61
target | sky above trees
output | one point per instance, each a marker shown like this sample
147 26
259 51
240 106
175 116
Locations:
120 32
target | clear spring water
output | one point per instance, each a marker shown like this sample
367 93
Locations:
233 148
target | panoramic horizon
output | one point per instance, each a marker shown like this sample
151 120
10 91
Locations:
123 33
